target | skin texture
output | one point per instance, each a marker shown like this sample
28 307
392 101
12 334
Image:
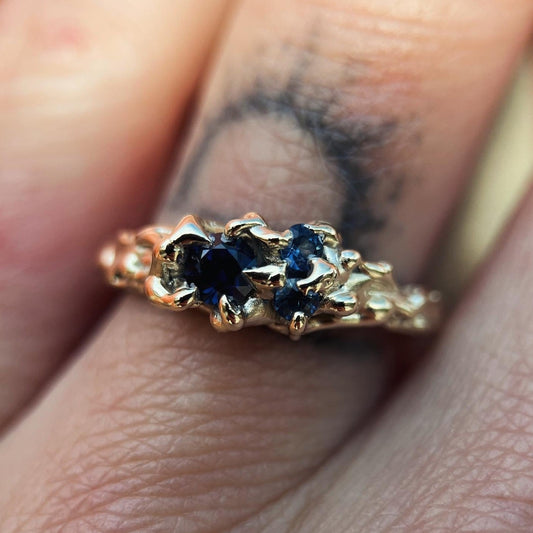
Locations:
88 111
369 115
336 147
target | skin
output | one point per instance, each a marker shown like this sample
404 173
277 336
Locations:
367 114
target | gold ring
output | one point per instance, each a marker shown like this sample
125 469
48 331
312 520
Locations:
246 274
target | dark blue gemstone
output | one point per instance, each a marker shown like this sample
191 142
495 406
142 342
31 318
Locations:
304 243
217 269
290 299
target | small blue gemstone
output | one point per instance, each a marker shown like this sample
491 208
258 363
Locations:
290 299
217 269
304 243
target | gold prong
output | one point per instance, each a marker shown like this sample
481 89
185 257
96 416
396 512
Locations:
189 230
350 259
254 215
216 321
340 303
270 237
230 314
329 233
268 276
297 325
152 235
237 226
156 292
183 298
377 270
321 277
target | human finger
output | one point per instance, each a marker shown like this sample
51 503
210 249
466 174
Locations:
177 420
90 98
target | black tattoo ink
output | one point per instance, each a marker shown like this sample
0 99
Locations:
344 144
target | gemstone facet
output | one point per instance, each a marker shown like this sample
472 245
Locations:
304 243
217 269
290 299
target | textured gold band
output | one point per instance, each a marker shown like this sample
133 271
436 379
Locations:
336 287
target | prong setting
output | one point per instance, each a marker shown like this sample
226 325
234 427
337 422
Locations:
238 226
185 298
321 277
267 277
245 273
330 235
349 260
269 236
188 231
230 314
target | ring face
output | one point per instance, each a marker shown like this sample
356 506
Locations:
245 273
216 269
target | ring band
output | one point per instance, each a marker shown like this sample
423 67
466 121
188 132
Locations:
246 274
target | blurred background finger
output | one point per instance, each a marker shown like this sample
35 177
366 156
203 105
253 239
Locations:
91 94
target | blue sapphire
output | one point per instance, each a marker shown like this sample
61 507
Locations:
290 299
217 269
304 243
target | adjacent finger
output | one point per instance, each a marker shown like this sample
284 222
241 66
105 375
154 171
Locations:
454 452
161 420
90 96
